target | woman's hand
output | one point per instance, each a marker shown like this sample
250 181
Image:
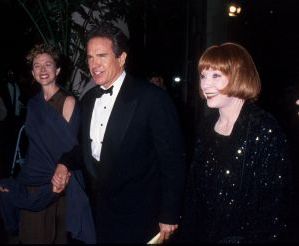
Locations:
2 189
60 178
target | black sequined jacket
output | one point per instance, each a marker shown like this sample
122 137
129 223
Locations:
237 190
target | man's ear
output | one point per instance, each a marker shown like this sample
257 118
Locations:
122 59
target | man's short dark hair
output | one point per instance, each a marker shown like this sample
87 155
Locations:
120 42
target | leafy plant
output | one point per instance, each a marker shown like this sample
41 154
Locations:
63 23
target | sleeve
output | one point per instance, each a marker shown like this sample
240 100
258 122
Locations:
168 143
72 159
274 184
191 226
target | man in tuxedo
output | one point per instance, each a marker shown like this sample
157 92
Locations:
131 146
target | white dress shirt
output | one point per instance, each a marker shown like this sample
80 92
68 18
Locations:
100 116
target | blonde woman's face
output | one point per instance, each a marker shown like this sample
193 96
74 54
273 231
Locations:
44 69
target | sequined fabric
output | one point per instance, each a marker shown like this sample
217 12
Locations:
237 191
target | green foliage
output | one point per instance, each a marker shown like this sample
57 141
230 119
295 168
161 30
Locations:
53 21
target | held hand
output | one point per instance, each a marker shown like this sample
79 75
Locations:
2 189
60 178
297 103
166 231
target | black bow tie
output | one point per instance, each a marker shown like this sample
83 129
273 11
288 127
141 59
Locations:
100 91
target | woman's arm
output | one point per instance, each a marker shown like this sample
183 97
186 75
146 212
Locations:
68 107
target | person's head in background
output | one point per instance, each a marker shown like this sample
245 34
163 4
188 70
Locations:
157 79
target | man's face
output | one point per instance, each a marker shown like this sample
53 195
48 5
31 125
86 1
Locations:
103 65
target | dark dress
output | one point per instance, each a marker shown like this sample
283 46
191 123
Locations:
49 136
48 225
237 190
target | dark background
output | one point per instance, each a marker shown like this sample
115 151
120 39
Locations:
161 40
167 37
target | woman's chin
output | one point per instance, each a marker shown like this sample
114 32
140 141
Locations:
211 105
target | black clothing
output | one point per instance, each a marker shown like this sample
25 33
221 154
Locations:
237 188
287 112
46 226
49 135
58 99
139 180
101 91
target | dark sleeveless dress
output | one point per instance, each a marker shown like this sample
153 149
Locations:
47 226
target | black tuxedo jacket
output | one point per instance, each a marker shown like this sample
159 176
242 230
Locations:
139 180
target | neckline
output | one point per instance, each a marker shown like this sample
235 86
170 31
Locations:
54 94
238 123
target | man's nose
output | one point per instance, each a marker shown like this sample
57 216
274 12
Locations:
94 63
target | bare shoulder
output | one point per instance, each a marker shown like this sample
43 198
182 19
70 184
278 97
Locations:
70 101
68 107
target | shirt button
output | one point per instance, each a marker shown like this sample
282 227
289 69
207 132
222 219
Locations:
105 107
101 124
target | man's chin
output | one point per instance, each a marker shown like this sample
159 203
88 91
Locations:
100 82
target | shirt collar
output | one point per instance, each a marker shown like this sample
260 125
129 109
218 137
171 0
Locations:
117 83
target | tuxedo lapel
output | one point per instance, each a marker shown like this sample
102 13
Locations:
87 109
120 117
